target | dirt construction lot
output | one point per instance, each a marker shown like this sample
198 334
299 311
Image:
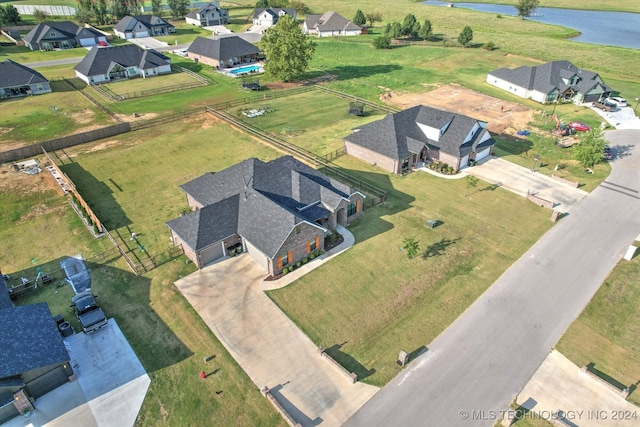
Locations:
502 117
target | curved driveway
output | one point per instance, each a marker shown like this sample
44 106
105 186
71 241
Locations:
475 368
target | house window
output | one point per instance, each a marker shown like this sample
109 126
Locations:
285 260
312 246
352 209
52 34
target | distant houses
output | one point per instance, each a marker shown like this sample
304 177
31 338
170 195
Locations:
330 24
131 27
225 52
208 15
269 17
106 64
401 141
62 35
554 81
19 80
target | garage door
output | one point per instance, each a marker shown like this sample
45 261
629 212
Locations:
592 98
211 253
140 34
257 255
483 154
87 42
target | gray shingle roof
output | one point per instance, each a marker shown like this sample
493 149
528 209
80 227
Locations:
269 199
222 49
546 77
274 11
64 30
13 74
398 135
128 23
5 300
29 339
330 21
99 59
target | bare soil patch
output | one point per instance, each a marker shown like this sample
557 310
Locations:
19 182
502 117
82 117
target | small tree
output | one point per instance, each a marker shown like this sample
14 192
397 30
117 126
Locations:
526 7
178 7
287 49
119 9
262 4
426 31
101 12
472 182
9 14
395 30
411 247
40 15
591 148
373 17
410 26
382 42
84 12
156 7
300 7
465 36
359 18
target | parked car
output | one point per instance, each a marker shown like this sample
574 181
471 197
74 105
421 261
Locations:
605 106
619 102
607 154
86 309
580 127
181 52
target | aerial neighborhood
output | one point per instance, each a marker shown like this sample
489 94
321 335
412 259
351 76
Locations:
319 213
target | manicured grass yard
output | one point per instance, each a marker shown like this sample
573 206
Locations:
374 302
607 333
41 117
315 120
137 85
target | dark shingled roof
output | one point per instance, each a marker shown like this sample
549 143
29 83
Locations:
330 21
399 135
14 74
64 30
260 201
128 23
29 339
5 300
223 48
546 77
99 59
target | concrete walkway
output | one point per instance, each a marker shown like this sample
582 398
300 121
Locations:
519 180
270 348
559 385
109 391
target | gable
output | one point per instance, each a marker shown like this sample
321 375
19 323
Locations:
101 60
14 74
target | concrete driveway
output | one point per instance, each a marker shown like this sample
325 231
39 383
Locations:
109 391
519 180
150 43
559 385
268 345
622 118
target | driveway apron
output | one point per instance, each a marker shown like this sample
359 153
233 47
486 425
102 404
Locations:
268 345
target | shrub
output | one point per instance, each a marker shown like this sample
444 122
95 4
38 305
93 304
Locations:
489 46
298 264
312 256
382 42
499 16
304 260
284 271
290 268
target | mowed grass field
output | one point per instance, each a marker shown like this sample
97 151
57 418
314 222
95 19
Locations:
316 121
607 333
372 301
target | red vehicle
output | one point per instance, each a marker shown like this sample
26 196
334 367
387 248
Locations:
580 127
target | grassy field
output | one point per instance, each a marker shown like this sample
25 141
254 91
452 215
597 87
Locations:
42 117
157 82
607 333
374 305
611 5
315 121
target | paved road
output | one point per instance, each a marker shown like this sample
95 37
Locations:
488 354
54 62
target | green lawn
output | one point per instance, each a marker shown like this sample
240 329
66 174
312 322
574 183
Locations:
612 5
374 302
137 85
23 54
315 120
41 117
607 333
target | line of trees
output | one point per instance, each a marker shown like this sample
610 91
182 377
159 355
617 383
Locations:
412 29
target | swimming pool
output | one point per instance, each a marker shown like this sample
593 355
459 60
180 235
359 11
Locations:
247 69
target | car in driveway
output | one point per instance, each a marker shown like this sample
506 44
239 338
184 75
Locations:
617 101
580 127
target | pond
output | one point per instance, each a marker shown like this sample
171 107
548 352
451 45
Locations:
596 27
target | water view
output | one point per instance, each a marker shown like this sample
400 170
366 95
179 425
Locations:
606 28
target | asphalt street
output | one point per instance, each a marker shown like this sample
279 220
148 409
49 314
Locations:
54 62
476 367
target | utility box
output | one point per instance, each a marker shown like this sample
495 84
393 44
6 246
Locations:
432 223
403 358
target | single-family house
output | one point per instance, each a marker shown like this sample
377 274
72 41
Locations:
554 81
224 52
20 80
279 212
400 141
33 360
208 15
62 35
330 24
131 27
106 64
268 17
